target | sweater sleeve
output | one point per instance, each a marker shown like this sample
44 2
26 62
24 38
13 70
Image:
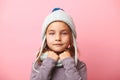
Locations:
44 70
74 72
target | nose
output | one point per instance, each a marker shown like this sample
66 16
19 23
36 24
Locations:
57 37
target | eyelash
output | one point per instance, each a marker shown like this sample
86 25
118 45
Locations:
51 33
64 33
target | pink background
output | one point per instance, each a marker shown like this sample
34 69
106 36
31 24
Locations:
98 28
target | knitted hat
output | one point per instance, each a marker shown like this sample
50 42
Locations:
58 14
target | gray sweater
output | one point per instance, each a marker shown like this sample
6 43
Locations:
69 71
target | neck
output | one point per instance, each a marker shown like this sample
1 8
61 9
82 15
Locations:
59 52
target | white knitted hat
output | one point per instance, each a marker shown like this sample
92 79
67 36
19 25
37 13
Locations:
58 14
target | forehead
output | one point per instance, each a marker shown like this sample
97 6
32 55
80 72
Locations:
58 25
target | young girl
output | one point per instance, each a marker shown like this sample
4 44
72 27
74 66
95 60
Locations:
57 58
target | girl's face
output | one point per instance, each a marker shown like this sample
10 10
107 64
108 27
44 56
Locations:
58 36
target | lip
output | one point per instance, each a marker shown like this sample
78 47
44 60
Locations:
57 44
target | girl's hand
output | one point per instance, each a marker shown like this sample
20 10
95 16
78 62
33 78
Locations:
64 55
52 55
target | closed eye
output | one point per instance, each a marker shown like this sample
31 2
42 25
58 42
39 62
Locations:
64 32
51 33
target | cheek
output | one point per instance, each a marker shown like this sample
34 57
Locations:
67 40
49 39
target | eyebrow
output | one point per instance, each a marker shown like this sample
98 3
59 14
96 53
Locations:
65 30
51 30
